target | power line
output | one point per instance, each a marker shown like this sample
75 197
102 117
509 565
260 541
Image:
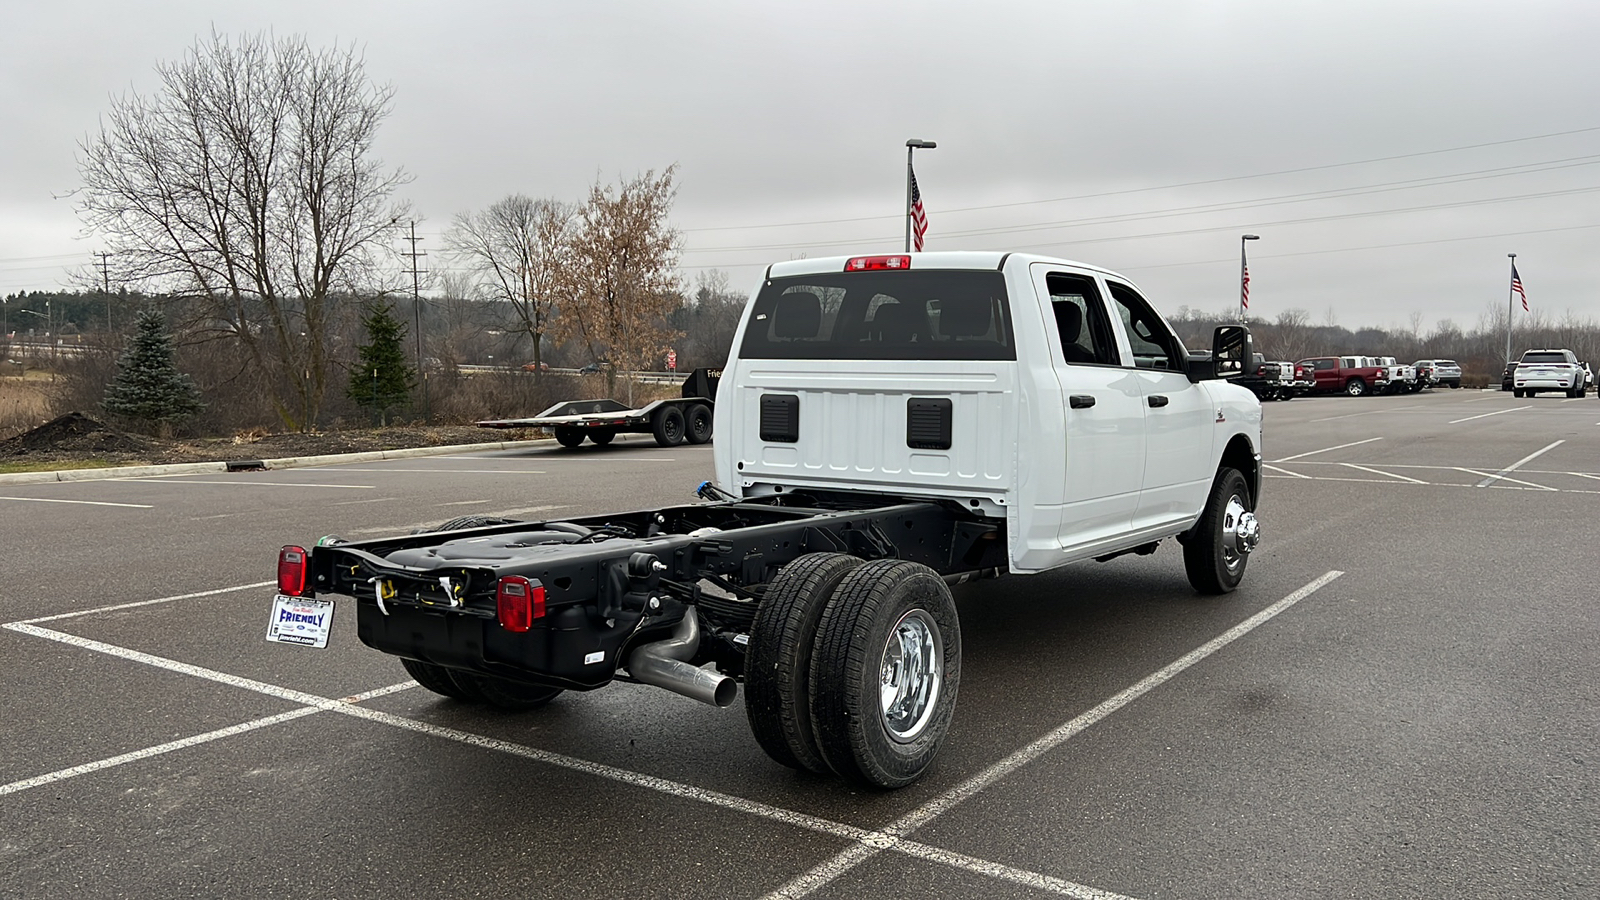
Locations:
1167 187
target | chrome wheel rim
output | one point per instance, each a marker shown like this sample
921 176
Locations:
910 675
1240 532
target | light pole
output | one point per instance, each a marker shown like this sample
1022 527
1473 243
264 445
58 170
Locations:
1244 276
912 146
1511 293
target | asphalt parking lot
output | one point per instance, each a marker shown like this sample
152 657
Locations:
1402 700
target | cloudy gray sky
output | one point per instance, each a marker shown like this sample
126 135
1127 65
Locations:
1390 154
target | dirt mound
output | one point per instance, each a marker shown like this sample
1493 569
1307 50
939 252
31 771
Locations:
75 433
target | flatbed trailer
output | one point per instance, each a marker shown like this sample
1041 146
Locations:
684 419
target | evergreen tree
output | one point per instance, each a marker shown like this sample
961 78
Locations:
382 380
148 386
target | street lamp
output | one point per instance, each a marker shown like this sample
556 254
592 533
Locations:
1244 276
912 146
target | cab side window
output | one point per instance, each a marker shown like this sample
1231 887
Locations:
1154 345
1080 319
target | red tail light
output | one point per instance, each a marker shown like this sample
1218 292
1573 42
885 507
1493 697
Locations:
872 263
292 571
518 602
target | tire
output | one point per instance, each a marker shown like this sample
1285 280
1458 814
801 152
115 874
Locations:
505 694
1355 387
1455 385
668 426
1212 557
569 437
460 522
1517 392
436 679
602 437
880 613
777 667
698 423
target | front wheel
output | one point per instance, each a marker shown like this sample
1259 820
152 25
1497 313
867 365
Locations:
668 426
569 437
884 673
1355 387
1216 550
602 436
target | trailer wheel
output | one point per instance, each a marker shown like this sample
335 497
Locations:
668 426
506 694
1216 550
884 673
601 436
699 423
777 668
569 437
436 679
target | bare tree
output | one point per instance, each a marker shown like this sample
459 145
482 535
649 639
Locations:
521 249
247 182
624 274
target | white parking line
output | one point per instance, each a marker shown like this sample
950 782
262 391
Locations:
405 470
1381 472
1370 412
1519 464
1487 478
245 482
1285 471
825 873
137 603
1498 412
1326 449
862 837
499 514
84 502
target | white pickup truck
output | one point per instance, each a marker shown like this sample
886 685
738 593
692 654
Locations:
887 425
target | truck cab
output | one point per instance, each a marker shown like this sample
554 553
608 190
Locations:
1044 392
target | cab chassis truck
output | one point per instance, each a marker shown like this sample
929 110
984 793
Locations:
887 426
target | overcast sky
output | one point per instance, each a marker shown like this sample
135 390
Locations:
1084 130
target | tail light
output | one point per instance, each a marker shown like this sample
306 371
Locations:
292 571
518 601
874 263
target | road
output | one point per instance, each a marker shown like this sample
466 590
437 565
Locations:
1400 701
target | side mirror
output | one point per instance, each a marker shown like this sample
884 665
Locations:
1231 346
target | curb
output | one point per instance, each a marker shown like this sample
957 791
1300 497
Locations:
287 462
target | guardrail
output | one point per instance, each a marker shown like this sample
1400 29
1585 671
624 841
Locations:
635 377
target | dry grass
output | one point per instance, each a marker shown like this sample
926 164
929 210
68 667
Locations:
24 402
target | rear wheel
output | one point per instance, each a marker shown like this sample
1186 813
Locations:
601 436
506 694
1355 387
884 673
668 426
1215 552
569 437
436 679
698 423
777 668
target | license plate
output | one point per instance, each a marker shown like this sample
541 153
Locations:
300 620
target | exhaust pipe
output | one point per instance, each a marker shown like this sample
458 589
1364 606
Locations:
662 664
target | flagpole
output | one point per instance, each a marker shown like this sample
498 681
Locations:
1244 270
1511 294
912 146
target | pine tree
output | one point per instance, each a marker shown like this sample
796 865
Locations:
382 380
148 386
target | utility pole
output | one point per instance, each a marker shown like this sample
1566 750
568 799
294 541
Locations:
105 285
416 311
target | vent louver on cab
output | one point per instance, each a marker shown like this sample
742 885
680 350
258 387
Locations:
928 423
780 418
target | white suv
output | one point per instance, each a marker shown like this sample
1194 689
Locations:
1548 370
1441 371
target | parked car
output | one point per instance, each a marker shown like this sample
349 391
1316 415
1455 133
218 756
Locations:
1402 378
1508 376
1270 380
594 368
1548 370
1353 375
536 367
1444 372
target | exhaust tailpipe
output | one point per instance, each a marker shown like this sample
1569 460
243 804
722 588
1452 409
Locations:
662 664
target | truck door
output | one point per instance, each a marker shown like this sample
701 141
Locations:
1179 419
1103 452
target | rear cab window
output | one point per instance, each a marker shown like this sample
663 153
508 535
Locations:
923 315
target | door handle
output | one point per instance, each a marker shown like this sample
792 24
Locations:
1080 401
1158 400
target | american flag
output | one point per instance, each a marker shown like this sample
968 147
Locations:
1244 287
919 216
1516 287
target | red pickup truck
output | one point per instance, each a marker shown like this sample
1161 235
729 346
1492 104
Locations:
1353 375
